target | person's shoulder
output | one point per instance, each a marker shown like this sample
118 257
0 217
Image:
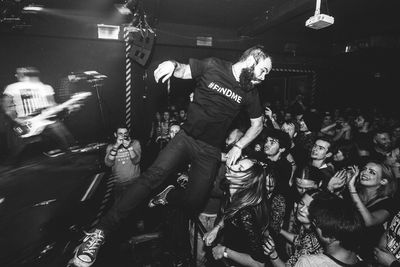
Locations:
315 260
213 61
135 142
11 88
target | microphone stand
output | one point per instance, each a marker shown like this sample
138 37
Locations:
96 83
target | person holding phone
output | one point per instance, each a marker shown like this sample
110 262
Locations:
123 156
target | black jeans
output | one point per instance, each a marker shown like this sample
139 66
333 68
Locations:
203 158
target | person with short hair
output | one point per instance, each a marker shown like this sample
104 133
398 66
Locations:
123 157
24 100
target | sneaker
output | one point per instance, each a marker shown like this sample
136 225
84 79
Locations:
161 198
85 253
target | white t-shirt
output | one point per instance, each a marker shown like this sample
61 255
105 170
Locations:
29 97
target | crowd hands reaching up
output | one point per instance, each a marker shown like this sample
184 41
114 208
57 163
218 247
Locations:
316 188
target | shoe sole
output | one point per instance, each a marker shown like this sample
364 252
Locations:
76 262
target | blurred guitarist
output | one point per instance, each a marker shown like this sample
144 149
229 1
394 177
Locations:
25 99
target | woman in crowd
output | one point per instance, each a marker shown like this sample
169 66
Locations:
372 194
245 217
344 154
306 241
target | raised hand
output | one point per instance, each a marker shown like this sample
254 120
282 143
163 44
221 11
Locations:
337 181
165 70
355 171
118 142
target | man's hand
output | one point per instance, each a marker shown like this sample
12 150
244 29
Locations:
210 236
165 69
126 142
233 155
218 252
118 143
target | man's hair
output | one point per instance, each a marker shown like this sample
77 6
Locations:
257 52
295 123
27 72
122 126
309 173
282 137
337 219
174 124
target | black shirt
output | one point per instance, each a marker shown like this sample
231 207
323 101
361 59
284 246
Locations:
217 100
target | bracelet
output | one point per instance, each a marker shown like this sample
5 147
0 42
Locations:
355 192
225 252
274 258
235 145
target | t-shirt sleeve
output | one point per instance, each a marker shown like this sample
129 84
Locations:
253 105
386 204
198 67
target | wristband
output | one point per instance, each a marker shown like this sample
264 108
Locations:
225 252
355 192
235 145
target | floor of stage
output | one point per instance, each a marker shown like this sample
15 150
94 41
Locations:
46 203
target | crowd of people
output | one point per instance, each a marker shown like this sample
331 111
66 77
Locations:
299 186
315 188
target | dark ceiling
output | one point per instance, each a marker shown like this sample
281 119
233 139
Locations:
354 19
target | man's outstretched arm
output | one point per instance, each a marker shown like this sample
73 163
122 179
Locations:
251 133
171 67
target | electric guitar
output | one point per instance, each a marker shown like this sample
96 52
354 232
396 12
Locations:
35 125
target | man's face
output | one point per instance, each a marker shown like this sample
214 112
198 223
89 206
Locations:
166 115
327 120
289 128
271 146
320 150
359 121
262 68
122 133
302 124
382 140
255 73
